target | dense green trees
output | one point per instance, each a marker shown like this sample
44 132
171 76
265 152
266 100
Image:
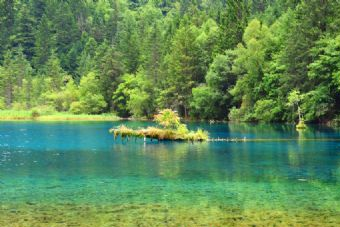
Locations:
213 99
91 100
236 60
135 95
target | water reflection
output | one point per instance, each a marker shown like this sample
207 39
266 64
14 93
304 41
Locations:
80 164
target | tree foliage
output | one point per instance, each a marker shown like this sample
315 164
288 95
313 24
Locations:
236 60
168 119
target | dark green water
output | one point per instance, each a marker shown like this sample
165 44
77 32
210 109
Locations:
75 174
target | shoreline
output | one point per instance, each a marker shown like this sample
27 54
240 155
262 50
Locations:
57 119
8 115
71 117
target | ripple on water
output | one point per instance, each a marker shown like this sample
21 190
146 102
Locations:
66 174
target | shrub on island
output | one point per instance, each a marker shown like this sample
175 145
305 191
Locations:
170 129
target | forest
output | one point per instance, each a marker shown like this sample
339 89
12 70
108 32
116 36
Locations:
246 60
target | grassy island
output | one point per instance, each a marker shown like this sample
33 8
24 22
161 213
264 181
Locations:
159 133
170 129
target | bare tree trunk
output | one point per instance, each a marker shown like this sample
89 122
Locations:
9 95
28 93
299 113
185 113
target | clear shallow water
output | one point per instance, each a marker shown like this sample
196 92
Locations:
75 174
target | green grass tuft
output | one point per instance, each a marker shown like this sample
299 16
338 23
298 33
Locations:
38 115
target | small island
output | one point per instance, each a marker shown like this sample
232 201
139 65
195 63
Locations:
170 128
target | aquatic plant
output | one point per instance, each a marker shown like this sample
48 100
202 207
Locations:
199 135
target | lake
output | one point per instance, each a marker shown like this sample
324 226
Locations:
75 174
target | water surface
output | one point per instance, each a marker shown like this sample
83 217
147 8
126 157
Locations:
75 174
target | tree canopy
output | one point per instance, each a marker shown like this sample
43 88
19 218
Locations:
226 60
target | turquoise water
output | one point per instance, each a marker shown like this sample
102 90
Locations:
75 174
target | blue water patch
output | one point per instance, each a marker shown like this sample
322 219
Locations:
81 163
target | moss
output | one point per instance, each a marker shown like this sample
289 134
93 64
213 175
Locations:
159 214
